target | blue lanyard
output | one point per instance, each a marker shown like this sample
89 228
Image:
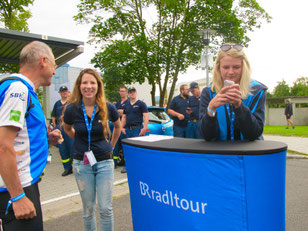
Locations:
232 117
89 126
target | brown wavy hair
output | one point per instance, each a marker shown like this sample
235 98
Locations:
101 100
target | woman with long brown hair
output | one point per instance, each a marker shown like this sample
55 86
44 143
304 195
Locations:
86 121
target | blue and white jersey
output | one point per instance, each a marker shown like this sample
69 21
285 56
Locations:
31 145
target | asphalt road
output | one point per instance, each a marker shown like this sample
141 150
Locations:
296 205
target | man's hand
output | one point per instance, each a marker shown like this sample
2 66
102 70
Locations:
24 209
181 117
188 110
142 131
55 137
123 131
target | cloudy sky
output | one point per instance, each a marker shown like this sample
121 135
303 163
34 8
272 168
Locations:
277 51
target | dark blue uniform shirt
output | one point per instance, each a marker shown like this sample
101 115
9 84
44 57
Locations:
120 105
99 146
134 113
180 105
194 104
57 111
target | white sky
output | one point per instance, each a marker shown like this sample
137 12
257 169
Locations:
277 51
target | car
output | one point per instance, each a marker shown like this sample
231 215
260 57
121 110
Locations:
159 124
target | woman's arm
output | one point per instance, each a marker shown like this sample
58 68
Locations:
207 124
116 132
69 130
251 124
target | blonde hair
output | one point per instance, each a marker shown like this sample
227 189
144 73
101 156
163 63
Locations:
218 83
101 101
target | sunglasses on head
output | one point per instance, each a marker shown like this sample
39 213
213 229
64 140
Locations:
227 47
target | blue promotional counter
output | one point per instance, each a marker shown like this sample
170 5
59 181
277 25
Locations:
188 184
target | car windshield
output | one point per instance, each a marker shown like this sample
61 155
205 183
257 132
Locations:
157 115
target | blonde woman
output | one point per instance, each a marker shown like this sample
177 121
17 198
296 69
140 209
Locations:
233 108
86 121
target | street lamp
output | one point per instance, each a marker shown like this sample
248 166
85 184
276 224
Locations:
205 37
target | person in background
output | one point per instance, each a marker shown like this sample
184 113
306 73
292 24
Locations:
178 111
192 130
233 107
120 107
65 148
288 113
135 113
24 139
85 120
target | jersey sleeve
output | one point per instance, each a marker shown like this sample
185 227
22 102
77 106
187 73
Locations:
14 105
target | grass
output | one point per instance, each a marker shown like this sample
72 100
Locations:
301 131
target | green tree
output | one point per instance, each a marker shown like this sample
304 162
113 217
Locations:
300 87
282 89
157 39
14 15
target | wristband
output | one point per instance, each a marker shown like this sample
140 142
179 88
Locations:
210 111
14 199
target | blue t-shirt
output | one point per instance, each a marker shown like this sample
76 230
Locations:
134 113
57 111
180 105
73 115
194 104
120 105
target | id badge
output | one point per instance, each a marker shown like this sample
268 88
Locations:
89 156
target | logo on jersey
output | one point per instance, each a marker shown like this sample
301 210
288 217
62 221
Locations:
15 115
21 96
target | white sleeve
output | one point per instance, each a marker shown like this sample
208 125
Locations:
14 105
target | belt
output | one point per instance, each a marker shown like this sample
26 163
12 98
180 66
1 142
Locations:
105 156
133 126
195 121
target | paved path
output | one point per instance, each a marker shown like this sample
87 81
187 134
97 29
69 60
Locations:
297 144
60 195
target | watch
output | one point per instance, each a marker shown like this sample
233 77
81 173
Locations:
210 111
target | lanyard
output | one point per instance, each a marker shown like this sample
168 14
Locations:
232 117
89 126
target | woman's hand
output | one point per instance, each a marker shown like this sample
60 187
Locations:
228 95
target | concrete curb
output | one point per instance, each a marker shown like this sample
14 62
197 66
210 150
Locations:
297 157
72 203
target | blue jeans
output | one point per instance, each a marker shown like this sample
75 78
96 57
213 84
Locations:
179 131
192 130
97 179
133 132
65 149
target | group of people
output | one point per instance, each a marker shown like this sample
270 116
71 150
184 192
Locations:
134 117
184 110
233 111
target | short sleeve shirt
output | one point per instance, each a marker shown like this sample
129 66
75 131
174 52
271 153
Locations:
120 105
180 105
194 105
73 115
57 110
134 113
30 144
